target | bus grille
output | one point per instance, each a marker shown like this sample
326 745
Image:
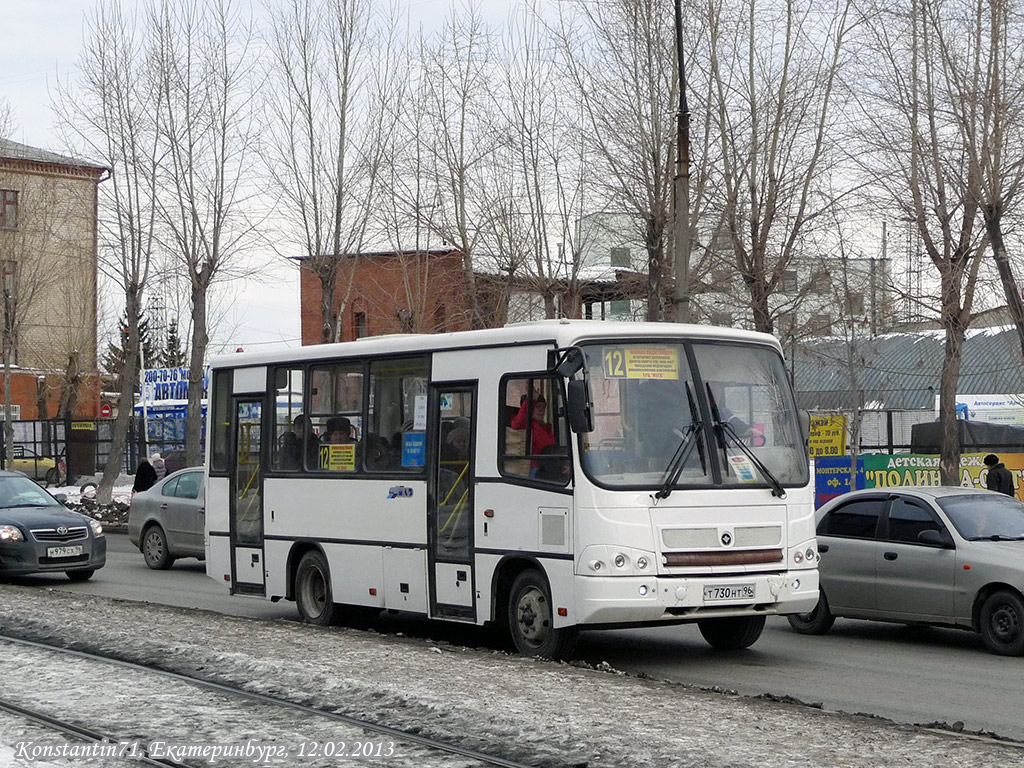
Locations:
723 557
707 538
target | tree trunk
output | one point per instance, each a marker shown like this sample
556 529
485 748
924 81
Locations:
330 329
69 396
193 421
994 228
949 458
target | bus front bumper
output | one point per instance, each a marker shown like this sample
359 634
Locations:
644 599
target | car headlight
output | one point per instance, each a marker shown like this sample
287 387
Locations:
11 533
97 529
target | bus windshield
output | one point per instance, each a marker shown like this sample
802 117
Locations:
674 414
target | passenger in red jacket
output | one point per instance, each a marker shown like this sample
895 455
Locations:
541 433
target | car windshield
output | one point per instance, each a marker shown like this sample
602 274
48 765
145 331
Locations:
17 491
652 399
985 515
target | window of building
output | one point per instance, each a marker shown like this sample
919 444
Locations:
396 425
789 281
535 437
854 302
360 325
8 209
620 308
620 257
719 317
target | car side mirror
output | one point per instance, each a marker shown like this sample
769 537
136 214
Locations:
578 394
61 497
936 538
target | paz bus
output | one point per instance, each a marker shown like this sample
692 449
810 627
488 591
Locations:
542 477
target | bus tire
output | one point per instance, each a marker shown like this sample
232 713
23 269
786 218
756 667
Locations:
531 619
313 590
732 633
817 622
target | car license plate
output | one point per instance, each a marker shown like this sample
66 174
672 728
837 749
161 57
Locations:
64 551
728 592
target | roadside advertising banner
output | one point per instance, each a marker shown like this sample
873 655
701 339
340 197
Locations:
828 436
882 470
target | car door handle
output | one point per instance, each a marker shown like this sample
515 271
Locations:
201 511
163 506
823 548
890 555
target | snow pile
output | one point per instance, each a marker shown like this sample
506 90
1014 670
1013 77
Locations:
523 709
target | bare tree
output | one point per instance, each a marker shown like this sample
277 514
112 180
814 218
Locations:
618 55
459 106
323 53
981 51
917 158
773 69
207 131
112 114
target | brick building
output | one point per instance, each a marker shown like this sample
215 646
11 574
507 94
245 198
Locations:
426 292
48 250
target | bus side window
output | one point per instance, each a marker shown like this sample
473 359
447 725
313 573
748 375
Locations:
397 415
288 396
534 439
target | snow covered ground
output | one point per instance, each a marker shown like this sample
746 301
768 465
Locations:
534 711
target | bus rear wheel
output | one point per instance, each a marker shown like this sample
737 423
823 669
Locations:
313 590
732 633
531 619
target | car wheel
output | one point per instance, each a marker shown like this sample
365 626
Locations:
313 590
1002 623
531 619
53 476
817 622
154 549
82 574
732 633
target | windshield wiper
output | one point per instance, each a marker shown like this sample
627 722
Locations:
996 537
724 429
688 439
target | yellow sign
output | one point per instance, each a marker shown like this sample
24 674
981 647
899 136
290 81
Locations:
338 458
84 425
828 436
641 363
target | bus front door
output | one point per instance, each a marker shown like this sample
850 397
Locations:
247 501
450 502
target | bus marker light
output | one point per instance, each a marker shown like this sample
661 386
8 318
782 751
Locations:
488 513
373 590
563 612
641 563
967 567
796 584
227 577
620 561
643 590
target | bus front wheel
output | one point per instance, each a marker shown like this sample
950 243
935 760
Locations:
531 619
732 633
313 590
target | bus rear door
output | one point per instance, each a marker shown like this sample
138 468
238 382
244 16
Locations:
450 502
247 500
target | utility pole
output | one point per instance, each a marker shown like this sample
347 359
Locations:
681 186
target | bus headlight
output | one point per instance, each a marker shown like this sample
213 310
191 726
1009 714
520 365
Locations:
620 561
810 554
596 565
798 557
641 563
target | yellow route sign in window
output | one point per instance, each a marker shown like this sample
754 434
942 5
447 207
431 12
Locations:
338 458
641 363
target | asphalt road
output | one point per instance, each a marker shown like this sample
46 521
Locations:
917 676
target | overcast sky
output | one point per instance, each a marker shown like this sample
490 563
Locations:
40 42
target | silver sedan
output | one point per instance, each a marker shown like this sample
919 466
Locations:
167 521
935 555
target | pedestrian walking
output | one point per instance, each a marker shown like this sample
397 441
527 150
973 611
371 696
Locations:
145 476
999 477
159 465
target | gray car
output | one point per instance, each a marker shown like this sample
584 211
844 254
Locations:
167 521
944 556
38 534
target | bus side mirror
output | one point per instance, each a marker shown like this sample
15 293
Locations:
580 419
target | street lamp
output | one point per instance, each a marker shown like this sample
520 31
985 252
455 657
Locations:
681 185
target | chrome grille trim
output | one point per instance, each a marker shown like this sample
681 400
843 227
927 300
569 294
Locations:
50 534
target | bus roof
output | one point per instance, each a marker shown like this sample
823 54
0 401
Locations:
559 333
